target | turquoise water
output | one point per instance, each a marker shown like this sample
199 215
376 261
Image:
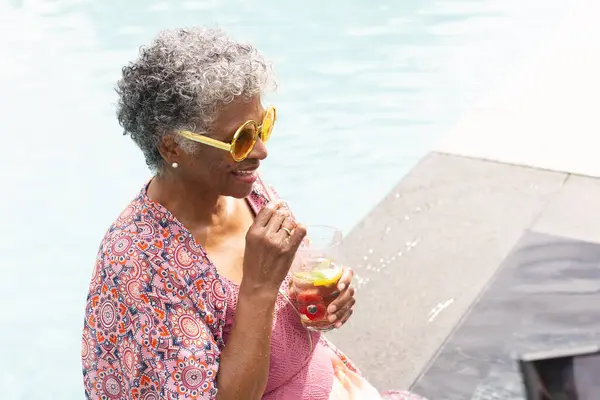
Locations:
365 90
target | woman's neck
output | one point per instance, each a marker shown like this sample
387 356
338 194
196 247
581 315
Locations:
196 209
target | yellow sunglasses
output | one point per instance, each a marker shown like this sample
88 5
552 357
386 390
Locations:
244 138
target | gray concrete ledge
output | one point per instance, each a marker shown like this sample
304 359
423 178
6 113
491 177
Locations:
544 297
427 250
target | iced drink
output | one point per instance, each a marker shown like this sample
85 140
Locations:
315 276
315 289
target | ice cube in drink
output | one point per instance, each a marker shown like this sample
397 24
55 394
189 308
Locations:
315 285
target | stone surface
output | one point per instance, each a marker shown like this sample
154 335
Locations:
425 253
574 211
544 297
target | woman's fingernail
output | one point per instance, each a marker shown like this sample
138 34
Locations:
331 309
274 205
342 286
338 325
332 318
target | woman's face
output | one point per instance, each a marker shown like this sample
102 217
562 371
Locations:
214 169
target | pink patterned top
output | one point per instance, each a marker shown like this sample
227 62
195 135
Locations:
158 315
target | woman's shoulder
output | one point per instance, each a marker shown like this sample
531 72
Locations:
142 221
146 250
146 236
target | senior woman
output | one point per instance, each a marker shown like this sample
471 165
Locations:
190 295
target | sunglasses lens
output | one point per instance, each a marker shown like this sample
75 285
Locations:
244 142
267 125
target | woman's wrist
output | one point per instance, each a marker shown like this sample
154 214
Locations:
244 364
259 294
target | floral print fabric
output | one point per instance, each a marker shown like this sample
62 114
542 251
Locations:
154 313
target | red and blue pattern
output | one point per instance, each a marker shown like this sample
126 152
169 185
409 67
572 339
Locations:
155 311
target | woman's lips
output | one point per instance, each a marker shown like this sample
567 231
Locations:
248 176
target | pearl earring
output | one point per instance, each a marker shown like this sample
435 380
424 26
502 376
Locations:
174 165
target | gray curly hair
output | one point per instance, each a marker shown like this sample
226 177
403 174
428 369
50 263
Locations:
181 80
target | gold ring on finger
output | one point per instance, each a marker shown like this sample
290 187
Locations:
286 230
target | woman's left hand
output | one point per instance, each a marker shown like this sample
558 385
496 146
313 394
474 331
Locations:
342 307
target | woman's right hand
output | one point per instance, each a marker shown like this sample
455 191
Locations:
270 249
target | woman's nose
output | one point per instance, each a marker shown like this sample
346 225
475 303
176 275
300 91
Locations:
259 151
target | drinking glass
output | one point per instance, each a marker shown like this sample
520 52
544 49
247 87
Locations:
316 271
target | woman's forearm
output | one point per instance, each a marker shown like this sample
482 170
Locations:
244 365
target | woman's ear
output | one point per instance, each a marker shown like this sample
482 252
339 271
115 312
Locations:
169 149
